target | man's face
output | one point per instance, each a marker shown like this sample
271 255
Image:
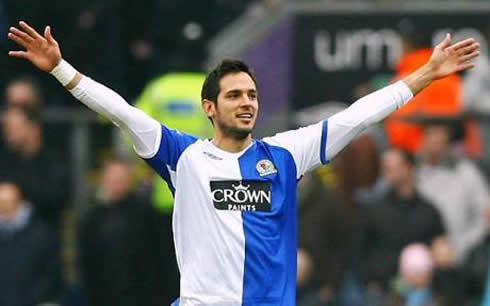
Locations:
237 107
116 181
15 128
436 139
394 168
21 94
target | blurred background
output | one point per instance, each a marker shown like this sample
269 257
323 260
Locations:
400 217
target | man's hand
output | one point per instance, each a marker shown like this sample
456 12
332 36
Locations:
445 60
42 51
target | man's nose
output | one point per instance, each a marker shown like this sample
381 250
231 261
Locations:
246 101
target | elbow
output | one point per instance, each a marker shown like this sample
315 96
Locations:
364 125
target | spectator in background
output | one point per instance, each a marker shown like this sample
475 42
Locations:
121 260
322 237
416 272
448 285
29 259
402 217
454 185
40 172
326 217
24 92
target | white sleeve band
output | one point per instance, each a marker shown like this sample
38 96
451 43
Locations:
64 72
343 127
144 131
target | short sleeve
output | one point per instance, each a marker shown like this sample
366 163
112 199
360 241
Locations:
306 145
172 144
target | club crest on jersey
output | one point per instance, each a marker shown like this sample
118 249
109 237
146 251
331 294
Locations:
265 167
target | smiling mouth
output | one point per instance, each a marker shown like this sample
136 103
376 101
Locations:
245 116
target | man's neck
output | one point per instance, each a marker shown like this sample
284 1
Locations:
31 148
433 159
406 190
230 144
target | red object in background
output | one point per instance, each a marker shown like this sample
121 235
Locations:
442 98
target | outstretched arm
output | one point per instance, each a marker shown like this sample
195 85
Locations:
45 54
445 60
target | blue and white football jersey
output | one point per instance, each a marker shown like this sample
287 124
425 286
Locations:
235 213
235 217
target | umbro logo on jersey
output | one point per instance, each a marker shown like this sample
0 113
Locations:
212 156
241 195
265 167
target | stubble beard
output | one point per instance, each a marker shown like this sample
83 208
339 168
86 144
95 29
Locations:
234 132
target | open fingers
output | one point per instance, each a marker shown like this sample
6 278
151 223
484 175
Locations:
469 56
466 66
19 54
21 34
462 44
468 49
33 33
18 40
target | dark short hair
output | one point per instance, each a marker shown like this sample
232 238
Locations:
210 88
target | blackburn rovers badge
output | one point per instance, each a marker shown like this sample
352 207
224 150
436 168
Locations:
265 167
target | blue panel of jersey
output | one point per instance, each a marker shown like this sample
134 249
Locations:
270 237
172 144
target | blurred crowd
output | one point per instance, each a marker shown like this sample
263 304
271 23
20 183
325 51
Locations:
124 246
400 217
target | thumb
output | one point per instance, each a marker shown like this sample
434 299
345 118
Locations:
445 43
48 36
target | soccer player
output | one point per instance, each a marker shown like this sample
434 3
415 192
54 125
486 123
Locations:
234 220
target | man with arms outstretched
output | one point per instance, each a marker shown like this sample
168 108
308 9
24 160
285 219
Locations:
235 197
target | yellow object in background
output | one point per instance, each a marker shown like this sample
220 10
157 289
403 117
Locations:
175 100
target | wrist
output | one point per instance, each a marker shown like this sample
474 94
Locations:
428 72
420 78
64 72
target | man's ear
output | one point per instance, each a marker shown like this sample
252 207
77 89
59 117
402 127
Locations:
209 107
